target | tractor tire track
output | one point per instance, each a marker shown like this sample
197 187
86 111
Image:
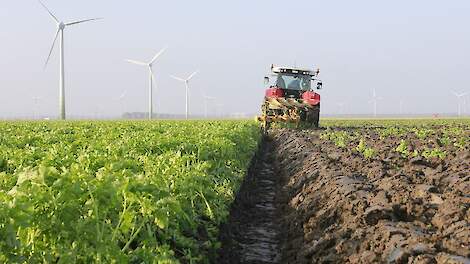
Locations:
252 232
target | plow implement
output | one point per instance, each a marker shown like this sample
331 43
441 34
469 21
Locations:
288 110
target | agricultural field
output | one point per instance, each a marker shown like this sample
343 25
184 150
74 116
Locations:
353 191
356 191
119 192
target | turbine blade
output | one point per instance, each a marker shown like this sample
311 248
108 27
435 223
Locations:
158 55
460 95
52 48
177 78
137 62
82 21
192 75
123 95
50 13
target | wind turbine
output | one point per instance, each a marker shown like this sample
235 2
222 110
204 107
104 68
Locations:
219 109
151 77
186 82
374 100
36 100
60 32
340 108
206 101
121 101
459 97
401 103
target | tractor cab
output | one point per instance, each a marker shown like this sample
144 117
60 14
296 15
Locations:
294 79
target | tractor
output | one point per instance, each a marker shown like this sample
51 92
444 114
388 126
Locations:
289 97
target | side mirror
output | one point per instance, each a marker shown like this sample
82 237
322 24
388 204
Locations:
319 85
266 80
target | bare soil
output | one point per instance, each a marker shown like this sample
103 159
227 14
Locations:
306 200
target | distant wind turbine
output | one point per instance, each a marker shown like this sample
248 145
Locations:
219 109
374 101
151 77
36 100
401 103
459 97
121 97
206 102
340 108
60 32
121 101
186 82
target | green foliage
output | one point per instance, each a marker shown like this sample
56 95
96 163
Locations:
422 133
339 138
361 147
434 153
428 137
403 149
391 131
367 152
118 192
462 142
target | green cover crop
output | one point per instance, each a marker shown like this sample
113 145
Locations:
118 192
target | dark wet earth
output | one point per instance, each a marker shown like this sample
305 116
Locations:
307 201
252 235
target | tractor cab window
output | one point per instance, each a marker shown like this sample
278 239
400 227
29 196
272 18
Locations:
292 82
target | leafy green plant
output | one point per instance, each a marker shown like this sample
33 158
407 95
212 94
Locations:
422 133
434 153
122 192
361 147
403 149
367 152
461 142
339 138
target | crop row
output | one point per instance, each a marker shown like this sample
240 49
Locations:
410 138
132 192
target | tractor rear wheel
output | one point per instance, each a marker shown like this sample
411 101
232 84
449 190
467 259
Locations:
314 116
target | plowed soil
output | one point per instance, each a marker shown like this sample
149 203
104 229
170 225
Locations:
306 200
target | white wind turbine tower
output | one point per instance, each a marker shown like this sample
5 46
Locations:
374 101
340 108
401 103
36 100
186 82
60 33
121 101
151 77
206 102
459 97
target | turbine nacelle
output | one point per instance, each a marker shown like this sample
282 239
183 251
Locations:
61 26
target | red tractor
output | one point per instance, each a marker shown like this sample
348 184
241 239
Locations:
289 97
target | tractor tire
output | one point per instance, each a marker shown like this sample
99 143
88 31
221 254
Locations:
314 116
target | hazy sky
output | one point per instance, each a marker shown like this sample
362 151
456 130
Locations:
417 51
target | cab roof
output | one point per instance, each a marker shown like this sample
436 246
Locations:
292 70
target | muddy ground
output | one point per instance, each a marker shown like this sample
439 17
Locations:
305 200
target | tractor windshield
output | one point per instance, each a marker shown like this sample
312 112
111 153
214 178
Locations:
292 81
